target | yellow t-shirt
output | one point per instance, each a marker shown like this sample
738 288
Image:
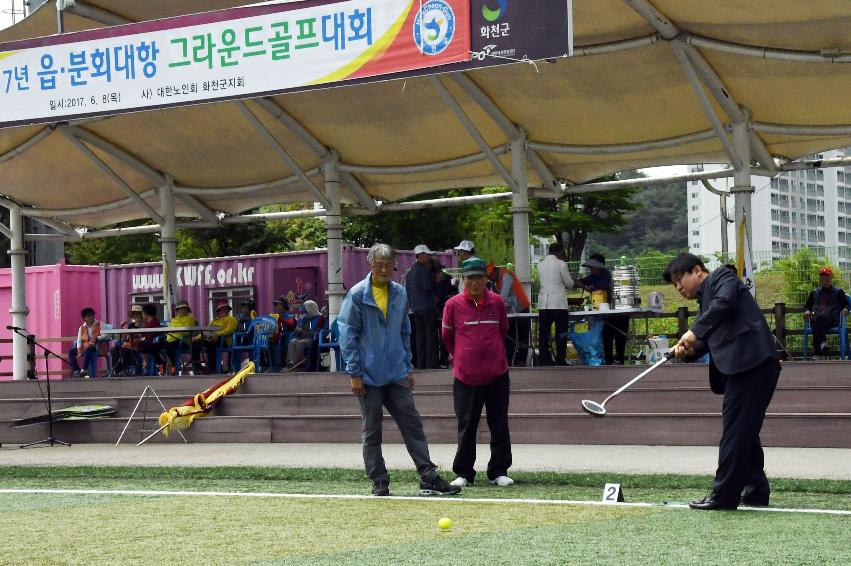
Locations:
187 320
381 294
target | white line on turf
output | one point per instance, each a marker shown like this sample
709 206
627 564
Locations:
260 494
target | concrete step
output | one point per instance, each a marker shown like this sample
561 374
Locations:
638 399
833 431
795 374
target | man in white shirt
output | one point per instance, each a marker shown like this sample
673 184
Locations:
552 305
465 250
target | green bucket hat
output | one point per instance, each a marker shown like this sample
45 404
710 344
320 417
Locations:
474 266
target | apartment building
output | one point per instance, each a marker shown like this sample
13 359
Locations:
793 210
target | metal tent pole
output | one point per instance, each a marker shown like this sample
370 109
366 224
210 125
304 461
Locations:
743 189
168 240
334 230
19 310
520 213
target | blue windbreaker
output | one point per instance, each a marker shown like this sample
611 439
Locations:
374 347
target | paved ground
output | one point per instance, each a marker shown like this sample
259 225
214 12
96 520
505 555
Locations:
826 463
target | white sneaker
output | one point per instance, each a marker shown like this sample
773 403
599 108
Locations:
459 482
502 481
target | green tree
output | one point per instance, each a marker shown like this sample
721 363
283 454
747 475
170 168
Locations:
122 249
439 228
659 221
800 275
572 219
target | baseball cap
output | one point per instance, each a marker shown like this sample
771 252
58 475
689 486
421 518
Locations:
474 266
465 245
136 307
826 271
422 249
182 305
282 299
223 304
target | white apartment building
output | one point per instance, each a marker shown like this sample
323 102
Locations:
793 210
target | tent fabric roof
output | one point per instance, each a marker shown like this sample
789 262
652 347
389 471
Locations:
622 96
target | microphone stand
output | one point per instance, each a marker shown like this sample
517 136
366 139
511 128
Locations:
31 341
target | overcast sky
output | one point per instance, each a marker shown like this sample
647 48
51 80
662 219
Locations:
6 6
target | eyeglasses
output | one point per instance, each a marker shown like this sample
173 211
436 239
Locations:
384 266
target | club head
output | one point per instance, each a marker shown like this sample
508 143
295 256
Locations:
593 408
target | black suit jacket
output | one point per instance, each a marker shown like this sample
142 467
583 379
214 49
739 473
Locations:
731 327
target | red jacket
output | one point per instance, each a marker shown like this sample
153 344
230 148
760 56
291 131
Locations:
474 334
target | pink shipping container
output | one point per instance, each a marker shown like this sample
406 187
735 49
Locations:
57 293
203 282
55 296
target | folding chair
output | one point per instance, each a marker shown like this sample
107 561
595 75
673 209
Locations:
262 327
329 339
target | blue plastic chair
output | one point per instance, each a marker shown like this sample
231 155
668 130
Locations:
261 328
329 340
841 330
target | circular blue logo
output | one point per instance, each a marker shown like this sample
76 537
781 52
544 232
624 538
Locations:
434 27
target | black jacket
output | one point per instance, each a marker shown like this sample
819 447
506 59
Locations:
826 304
730 326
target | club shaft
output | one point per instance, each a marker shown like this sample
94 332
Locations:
633 380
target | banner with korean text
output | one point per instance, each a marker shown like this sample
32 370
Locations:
227 54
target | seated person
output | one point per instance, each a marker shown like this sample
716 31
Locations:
208 342
247 313
179 340
304 334
91 341
822 309
125 353
150 344
285 322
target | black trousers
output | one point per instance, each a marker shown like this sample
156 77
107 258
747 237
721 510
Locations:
820 326
546 318
740 456
425 339
615 330
517 341
469 400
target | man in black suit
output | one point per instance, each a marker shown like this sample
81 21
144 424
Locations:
744 368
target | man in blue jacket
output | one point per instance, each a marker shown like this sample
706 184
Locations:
744 367
375 342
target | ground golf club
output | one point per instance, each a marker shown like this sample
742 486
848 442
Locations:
599 409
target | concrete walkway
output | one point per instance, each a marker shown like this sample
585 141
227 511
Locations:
805 463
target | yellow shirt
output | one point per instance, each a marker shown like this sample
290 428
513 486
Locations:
381 294
187 320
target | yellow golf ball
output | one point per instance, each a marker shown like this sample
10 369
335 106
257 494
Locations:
445 523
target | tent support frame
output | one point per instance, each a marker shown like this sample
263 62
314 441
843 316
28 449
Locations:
19 311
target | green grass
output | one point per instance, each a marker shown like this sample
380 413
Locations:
825 494
112 529
129 530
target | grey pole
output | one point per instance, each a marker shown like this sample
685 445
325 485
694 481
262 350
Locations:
742 191
520 213
334 231
19 310
60 16
168 241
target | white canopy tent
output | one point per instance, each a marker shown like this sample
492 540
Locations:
753 84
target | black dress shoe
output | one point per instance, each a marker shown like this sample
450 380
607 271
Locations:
710 503
380 488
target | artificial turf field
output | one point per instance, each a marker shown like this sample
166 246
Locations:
87 528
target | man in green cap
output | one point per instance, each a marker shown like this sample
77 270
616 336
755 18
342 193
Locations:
475 324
